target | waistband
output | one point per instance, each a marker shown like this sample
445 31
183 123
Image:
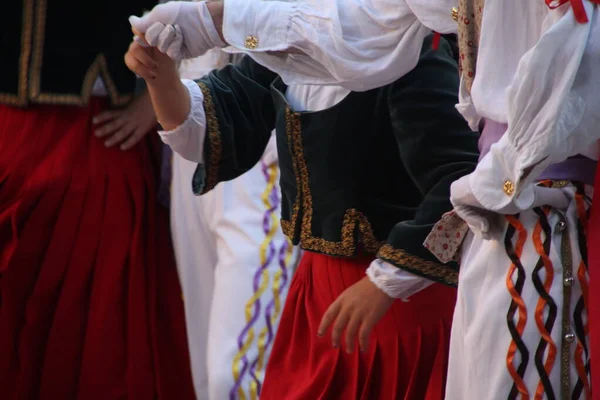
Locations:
578 168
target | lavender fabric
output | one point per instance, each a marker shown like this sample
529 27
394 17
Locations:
577 168
491 133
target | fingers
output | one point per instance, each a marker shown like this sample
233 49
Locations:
139 24
106 116
328 317
168 39
338 328
363 335
115 127
175 44
119 136
139 34
133 139
154 33
113 122
140 62
351 331
165 13
143 56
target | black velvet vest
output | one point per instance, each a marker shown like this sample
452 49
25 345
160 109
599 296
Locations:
369 174
53 50
342 179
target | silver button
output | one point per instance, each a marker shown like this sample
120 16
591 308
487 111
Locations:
569 337
568 281
562 225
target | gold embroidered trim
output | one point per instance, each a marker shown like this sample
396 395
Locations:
213 133
98 68
354 220
429 269
20 98
32 45
292 128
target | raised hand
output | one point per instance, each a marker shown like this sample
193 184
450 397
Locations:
180 29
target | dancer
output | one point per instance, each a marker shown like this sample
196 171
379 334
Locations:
235 265
340 206
521 321
90 302
563 38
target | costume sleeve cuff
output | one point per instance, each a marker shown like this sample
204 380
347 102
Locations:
258 25
395 282
187 139
500 183
466 107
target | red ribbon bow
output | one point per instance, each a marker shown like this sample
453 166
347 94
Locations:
576 5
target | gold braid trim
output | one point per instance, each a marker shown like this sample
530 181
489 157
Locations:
428 269
354 220
32 46
26 34
213 134
292 129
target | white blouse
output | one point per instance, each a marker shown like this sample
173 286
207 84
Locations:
538 77
357 44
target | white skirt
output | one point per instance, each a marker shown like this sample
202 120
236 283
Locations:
235 267
520 324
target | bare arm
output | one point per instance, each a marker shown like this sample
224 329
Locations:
169 96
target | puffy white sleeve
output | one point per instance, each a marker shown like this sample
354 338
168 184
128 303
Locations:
187 139
357 44
435 14
554 113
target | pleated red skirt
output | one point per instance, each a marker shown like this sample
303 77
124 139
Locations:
407 354
90 304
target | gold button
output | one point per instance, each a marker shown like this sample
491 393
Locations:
251 42
559 184
455 13
509 188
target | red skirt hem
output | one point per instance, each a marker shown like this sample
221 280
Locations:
408 353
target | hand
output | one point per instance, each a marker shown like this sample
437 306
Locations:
126 126
149 63
356 310
180 29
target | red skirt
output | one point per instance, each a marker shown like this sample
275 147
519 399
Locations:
593 306
90 304
407 356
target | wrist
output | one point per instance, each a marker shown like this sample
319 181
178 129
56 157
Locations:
171 103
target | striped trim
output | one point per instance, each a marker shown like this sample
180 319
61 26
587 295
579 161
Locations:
515 289
251 358
545 303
